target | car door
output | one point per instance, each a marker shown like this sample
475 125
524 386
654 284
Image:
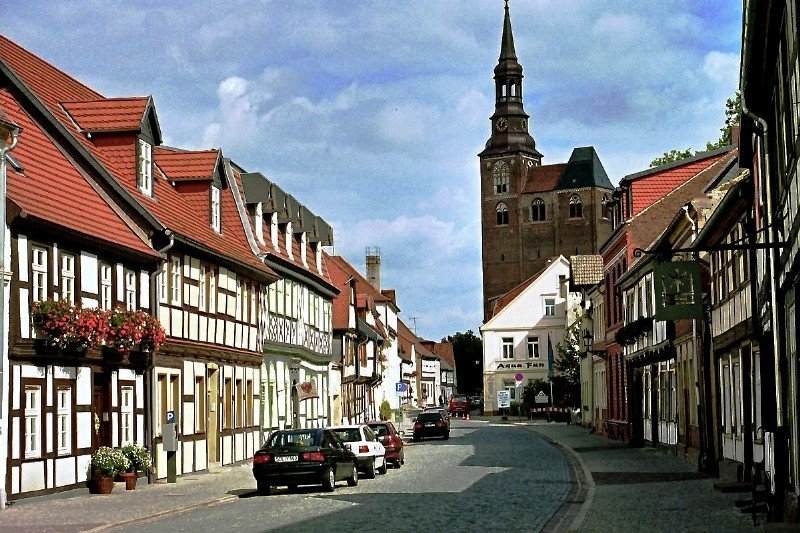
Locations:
373 442
343 465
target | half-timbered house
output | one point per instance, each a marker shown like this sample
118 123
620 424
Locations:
296 327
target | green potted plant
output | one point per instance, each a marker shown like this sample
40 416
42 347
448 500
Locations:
138 460
106 463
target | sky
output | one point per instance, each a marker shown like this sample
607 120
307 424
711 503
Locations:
372 113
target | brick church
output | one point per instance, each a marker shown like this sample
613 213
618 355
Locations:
532 212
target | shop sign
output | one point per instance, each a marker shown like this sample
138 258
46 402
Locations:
519 366
679 294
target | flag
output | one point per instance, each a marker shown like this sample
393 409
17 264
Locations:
549 358
307 390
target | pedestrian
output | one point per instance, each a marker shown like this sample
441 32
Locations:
441 401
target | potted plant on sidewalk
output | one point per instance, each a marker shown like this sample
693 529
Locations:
138 460
106 462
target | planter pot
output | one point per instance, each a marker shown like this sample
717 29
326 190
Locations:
101 485
130 479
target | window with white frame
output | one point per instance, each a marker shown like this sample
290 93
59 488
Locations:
68 278
550 306
130 290
39 273
508 348
105 287
33 421
201 299
145 168
533 347
216 209
175 285
64 420
126 414
280 287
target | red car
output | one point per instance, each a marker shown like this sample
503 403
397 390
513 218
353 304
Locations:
388 436
459 403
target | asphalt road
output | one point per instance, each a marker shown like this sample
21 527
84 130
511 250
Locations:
485 478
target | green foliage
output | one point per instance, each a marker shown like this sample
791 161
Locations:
733 112
568 359
467 349
385 410
533 388
108 461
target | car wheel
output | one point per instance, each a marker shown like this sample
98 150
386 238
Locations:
447 435
402 460
292 487
263 488
382 469
370 473
352 481
329 481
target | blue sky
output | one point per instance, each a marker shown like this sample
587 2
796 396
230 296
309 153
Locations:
372 112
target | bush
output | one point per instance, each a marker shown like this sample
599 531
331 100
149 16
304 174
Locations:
385 410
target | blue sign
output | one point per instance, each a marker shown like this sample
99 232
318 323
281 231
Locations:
170 417
400 387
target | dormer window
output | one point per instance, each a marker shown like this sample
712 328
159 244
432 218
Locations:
303 248
288 240
144 175
318 256
216 210
273 229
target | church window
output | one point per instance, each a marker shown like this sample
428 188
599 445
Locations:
504 91
500 175
513 89
502 214
538 210
575 207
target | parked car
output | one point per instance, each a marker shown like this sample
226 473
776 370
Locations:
303 457
362 441
459 403
390 439
440 410
430 424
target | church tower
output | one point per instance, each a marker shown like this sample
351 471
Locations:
532 212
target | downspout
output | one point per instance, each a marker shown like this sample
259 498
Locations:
148 404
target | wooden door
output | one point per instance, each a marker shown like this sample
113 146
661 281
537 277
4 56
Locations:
101 410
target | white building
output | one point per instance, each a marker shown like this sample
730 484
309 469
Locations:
526 323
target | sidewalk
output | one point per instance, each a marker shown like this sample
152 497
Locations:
77 510
641 489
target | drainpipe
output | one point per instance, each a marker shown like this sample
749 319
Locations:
12 131
148 372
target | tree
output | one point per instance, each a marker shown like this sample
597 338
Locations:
733 112
468 352
568 361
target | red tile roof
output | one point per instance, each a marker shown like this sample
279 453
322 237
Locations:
341 303
445 352
51 189
406 338
182 165
363 287
543 178
117 154
649 188
109 114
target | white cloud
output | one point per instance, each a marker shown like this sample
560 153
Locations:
721 68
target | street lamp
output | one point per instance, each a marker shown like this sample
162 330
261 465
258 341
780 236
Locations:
9 133
588 341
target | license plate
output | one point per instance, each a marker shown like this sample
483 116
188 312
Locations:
429 425
285 458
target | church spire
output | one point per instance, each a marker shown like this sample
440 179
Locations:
507 43
509 122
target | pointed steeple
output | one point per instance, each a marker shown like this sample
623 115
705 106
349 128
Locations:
509 122
507 43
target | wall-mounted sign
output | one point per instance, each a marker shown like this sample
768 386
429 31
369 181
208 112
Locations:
503 399
307 390
679 294
520 366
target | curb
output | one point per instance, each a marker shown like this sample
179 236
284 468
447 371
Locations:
176 510
585 488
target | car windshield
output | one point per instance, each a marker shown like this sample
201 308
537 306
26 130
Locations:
380 430
348 434
293 438
459 398
429 417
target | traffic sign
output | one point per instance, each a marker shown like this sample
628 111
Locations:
519 377
400 387
503 399
541 397
171 417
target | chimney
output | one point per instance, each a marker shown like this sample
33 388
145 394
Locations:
736 131
374 266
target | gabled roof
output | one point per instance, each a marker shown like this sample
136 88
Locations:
109 114
444 350
341 303
53 190
184 165
406 338
543 178
502 301
363 287
584 169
